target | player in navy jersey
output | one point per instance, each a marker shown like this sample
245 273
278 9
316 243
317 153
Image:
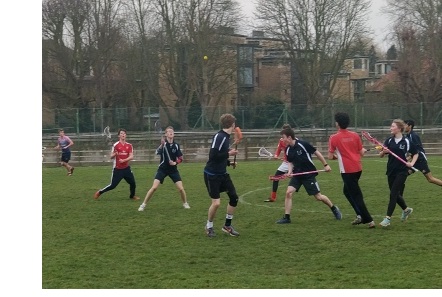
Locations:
64 143
299 156
422 161
397 171
122 154
217 179
171 156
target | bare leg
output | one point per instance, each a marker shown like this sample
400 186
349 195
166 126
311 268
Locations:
179 185
151 191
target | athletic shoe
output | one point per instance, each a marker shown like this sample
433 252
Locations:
210 232
96 195
230 230
385 222
270 200
142 206
357 221
186 205
284 220
406 213
371 225
337 213
135 198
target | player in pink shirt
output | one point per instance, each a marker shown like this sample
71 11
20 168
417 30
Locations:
122 154
346 147
64 143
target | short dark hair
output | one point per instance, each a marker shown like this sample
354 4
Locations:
121 129
409 123
342 119
288 132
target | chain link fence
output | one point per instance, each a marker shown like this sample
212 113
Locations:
265 116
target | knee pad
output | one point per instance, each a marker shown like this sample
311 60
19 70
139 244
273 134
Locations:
233 199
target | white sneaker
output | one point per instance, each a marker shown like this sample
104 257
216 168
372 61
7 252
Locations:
186 205
142 206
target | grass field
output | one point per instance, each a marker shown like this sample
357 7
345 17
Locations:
107 243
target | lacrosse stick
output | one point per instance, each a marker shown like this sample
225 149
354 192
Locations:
263 152
106 132
163 138
284 176
238 138
370 138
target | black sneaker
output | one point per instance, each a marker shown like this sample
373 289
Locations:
337 213
284 220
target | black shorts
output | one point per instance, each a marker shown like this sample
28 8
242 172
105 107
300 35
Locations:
308 181
65 156
216 184
422 166
161 175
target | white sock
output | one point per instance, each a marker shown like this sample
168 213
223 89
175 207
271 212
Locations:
209 224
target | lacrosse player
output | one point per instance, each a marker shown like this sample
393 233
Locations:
346 147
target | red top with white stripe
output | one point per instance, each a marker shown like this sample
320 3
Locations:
281 148
123 151
347 146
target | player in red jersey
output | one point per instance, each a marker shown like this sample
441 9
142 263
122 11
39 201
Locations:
346 147
282 169
122 154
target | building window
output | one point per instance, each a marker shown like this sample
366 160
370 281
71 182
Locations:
245 76
245 54
360 64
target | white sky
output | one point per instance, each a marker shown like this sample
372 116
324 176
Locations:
377 21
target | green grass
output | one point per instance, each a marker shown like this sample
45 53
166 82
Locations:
109 244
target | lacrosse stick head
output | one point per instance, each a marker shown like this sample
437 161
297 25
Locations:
370 138
107 132
238 135
158 128
263 152
277 177
367 136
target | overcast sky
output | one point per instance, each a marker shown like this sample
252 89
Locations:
377 20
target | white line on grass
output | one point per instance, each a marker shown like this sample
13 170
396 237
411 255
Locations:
272 205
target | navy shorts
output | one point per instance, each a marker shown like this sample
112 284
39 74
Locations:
216 184
308 181
161 175
422 166
65 156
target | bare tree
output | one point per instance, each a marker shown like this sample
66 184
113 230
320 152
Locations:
192 29
86 43
318 35
418 32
